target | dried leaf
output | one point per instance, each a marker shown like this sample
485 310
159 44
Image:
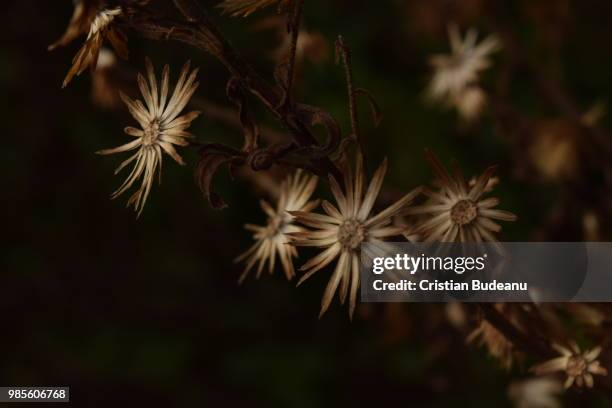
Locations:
237 96
374 106
212 157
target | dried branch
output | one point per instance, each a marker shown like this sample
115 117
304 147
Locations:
344 53
200 32
294 31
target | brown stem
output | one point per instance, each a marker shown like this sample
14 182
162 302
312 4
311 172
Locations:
294 27
344 53
227 116
200 32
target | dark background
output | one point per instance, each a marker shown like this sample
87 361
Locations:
148 311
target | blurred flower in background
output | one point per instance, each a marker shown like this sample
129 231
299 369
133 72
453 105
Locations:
104 92
456 75
536 392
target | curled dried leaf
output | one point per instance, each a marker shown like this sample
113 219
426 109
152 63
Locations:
212 157
317 117
237 95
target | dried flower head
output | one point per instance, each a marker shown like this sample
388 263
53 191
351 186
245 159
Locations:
343 229
457 212
272 240
101 28
555 149
455 77
161 128
84 13
243 8
579 366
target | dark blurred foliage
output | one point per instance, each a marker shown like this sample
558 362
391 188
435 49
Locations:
148 311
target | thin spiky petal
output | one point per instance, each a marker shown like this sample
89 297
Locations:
155 136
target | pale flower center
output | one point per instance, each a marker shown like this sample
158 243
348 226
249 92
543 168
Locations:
151 133
576 366
464 212
351 234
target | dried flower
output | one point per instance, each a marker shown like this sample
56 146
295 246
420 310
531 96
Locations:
273 239
497 345
243 8
161 128
456 75
344 228
84 13
101 28
579 366
457 211
536 393
594 115
555 150
586 314
591 227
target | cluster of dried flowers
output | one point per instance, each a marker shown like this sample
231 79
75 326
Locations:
455 210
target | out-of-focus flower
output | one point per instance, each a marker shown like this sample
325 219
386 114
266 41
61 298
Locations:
536 393
311 46
272 240
593 116
555 150
586 313
455 78
498 346
161 129
591 227
457 212
579 366
455 313
104 92
84 13
343 229
243 8
470 102
101 28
